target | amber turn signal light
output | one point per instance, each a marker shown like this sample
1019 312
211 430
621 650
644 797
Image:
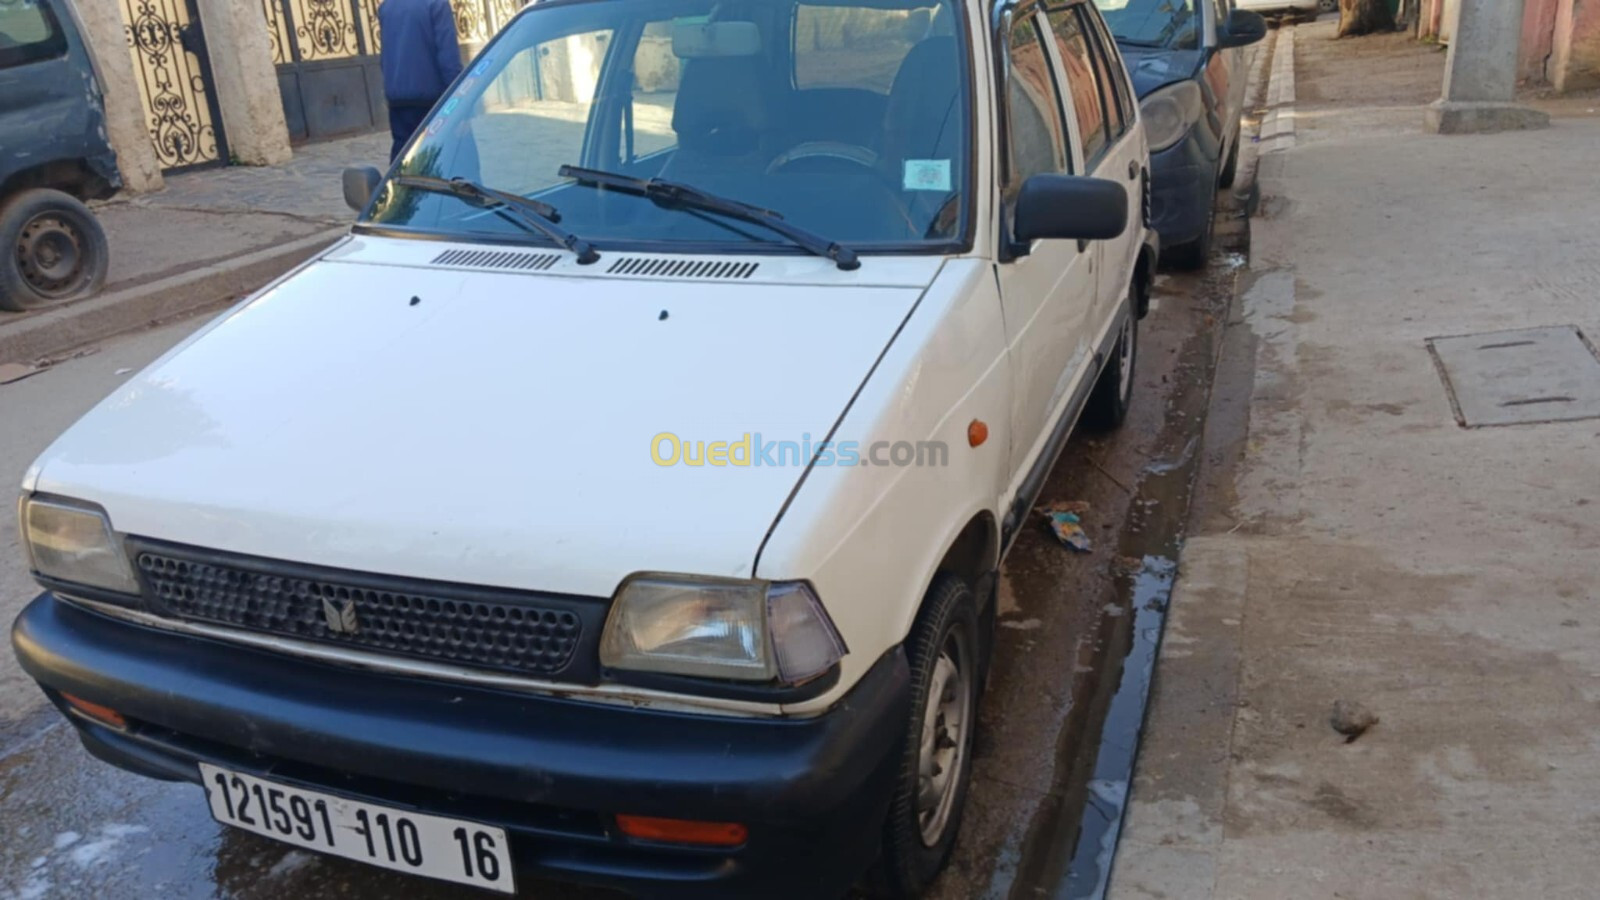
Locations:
977 432
102 714
683 831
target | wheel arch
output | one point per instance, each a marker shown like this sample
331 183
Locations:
74 177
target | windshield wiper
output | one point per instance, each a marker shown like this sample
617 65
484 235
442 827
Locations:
541 217
1135 42
673 194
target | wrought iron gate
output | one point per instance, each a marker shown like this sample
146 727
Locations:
327 57
175 84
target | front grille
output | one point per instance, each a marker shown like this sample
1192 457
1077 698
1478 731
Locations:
533 634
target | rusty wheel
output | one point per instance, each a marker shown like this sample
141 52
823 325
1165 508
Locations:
56 250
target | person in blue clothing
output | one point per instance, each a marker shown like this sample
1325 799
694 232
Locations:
420 58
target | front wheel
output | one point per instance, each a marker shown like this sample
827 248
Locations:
1113 392
936 764
54 250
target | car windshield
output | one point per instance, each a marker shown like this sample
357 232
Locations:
848 121
1168 24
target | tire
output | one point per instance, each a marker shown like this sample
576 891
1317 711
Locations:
1230 169
920 832
51 249
1113 391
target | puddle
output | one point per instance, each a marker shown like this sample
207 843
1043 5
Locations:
1072 840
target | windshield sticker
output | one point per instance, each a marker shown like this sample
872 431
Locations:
483 65
927 175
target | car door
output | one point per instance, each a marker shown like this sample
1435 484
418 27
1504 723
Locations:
1112 148
1047 289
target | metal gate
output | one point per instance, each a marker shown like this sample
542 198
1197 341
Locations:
327 57
175 84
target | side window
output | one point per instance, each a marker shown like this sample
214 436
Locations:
1083 81
1119 78
28 33
655 90
1106 68
1034 132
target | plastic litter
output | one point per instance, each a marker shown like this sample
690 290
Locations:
1068 529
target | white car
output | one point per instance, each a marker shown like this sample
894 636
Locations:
1284 6
623 500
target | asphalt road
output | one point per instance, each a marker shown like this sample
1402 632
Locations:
71 826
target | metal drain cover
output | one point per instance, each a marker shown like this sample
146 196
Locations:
1515 377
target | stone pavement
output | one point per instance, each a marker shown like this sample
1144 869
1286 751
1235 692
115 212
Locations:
1353 543
210 236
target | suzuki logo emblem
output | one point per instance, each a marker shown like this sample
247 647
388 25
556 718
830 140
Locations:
341 617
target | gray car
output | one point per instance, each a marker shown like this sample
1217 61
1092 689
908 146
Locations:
53 156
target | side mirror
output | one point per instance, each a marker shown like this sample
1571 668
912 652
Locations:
1070 207
360 182
1241 29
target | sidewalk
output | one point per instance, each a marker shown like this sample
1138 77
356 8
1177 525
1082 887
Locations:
1353 543
211 236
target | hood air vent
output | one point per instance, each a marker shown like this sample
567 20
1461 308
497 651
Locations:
497 259
682 268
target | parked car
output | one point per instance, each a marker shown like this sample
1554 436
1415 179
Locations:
53 156
1186 63
633 509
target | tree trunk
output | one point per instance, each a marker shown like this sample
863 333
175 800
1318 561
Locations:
1357 17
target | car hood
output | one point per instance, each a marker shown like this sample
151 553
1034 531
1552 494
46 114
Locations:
483 427
1153 68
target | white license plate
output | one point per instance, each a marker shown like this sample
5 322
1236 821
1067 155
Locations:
431 846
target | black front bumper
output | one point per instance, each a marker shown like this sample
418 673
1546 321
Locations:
1183 185
553 772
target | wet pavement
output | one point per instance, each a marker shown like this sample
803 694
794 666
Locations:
1056 732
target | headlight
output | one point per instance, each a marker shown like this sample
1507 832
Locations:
73 542
720 628
1170 112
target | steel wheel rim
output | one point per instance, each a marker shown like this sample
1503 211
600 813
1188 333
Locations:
50 255
1125 359
946 722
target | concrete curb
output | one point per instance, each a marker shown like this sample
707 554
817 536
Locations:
82 322
1277 130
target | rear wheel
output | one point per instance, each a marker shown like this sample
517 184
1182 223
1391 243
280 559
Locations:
1113 392
53 249
936 764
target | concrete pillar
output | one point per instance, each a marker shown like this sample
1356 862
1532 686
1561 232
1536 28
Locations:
126 127
246 81
1480 78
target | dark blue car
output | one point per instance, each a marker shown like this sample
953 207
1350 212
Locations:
1189 69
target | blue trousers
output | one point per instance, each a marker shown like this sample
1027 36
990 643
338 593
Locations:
404 119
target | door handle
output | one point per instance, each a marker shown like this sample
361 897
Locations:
1133 170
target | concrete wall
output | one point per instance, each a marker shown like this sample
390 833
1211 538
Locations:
1538 40
1560 43
1575 62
